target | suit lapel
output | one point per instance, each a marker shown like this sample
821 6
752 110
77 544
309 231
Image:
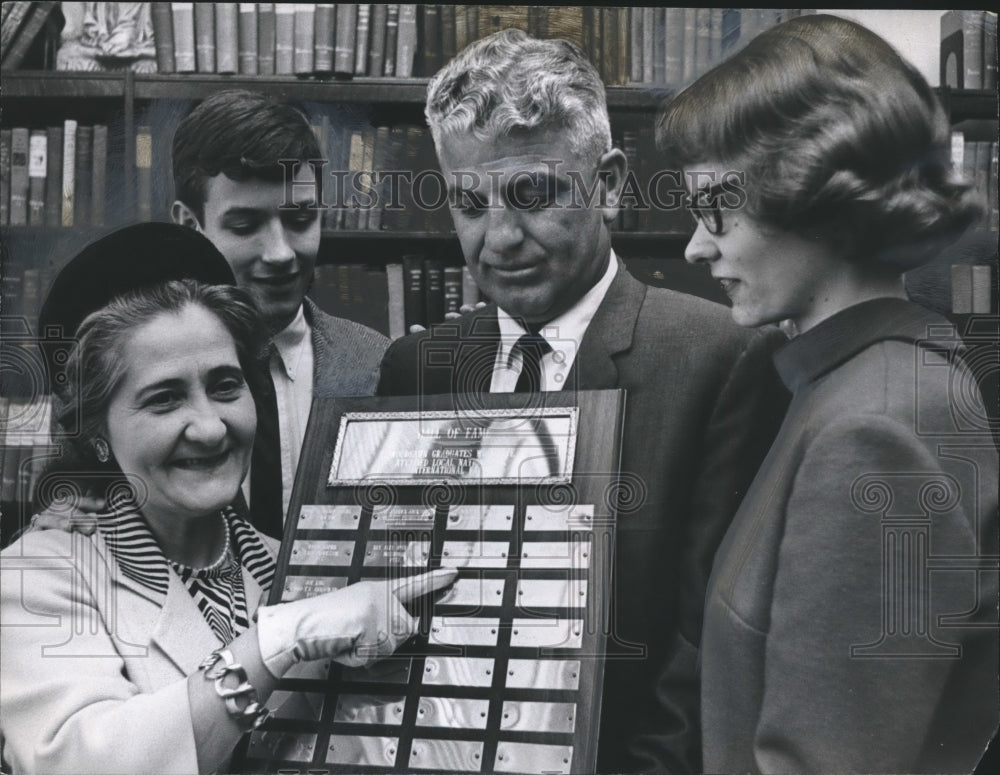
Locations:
610 332
181 632
478 337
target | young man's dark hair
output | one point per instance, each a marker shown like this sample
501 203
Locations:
241 134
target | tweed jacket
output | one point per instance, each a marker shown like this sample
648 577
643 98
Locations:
346 355
93 664
851 617
702 405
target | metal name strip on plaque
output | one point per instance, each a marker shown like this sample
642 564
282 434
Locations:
506 673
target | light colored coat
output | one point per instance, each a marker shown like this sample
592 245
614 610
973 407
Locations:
93 667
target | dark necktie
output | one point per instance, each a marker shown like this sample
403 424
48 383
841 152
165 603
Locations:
265 465
532 347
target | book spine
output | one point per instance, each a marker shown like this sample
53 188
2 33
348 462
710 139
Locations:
376 47
636 45
973 22
362 38
649 33
452 289
325 30
376 294
609 43
472 24
99 184
380 159
16 16
37 167
391 39
284 38
715 37
248 39
961 289
994 194
461 27
989 50
413 291
690 53
305 37
406 40
982 289
5 147
673 47
265 38
32 25
702 40
68 171
53 176
429 35
144 172
163 36
84 175
227 45
19 147
355 163
185 58
449 33
345 44
470 291
204 36
624 45
397 310
433 290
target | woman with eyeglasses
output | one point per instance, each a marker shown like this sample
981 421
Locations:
850 621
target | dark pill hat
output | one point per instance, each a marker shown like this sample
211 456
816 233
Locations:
133 257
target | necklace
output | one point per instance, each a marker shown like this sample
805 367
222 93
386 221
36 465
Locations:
223 559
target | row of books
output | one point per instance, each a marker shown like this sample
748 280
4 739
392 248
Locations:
56 176
977 159
418 289
637 44
23 25
969 49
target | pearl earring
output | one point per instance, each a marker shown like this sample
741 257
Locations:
102 449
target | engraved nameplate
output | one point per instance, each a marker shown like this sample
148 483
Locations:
458 671
454 755
480 517
452 712
357 750
524 716
552 593
397 554
543 674
369 709
489 446
475 554
335 553
533 758
402 516
385 671
464 631
297 587
473 593
304 706
552 633
290 746
577 517
321 517
555 554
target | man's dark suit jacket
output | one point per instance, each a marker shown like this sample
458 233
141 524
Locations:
702 405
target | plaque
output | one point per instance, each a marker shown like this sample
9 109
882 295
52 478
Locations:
505 672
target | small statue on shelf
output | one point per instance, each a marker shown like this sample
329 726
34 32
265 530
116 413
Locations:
107 36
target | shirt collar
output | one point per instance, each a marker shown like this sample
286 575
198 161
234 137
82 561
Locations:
840 337
570 325
290 342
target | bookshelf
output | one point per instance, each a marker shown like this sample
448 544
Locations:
125 101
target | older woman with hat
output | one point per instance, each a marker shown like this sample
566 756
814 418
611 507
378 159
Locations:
143 647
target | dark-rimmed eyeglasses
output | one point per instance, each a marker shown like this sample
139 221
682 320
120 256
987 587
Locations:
705 208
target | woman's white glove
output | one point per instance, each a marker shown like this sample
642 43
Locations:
355 625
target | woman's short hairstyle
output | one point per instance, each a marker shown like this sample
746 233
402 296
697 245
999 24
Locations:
242 135
96 365
839 137
511 82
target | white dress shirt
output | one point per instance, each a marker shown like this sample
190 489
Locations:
563 333
292 363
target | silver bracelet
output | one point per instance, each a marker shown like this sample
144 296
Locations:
217 666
